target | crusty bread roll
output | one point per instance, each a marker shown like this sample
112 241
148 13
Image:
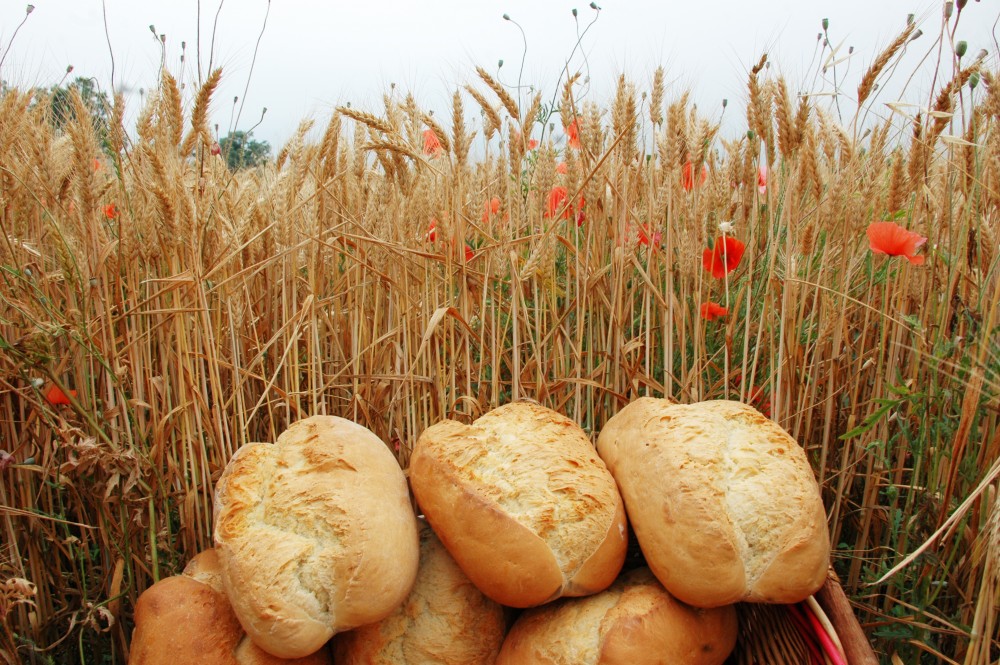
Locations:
445 620
523 503
722 500
188 619
181 620
315 534
635 622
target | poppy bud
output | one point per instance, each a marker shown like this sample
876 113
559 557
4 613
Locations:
961 47
751 134
574 12
962 4
506 17
909 19
500 63
152 29
916 34
216 149
982 54
973 80
725 102
30 9
949 9
69 68
594 6
826 24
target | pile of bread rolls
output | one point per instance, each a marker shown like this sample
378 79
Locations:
320 556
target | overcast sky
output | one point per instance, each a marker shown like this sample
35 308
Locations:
315 54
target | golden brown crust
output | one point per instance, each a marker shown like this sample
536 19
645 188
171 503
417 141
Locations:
445 620
634 622
504 559
315 534
188 619
181 620
736 513
523 502
248 653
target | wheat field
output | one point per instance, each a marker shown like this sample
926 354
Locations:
158 311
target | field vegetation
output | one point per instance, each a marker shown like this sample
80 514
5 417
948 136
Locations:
159 310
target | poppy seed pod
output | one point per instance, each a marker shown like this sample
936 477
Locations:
910 18
962 4
973 80
961 48
949 9
826 24
29 9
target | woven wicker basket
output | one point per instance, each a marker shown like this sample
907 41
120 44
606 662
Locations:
819 631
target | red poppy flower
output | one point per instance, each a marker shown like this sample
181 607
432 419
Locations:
558 200
645 237
562 168
97 165
491 208
892 239
110 211
762 179
432 233
216 149
56 397
724 258
469 253
432 144
711 311
687 176
760 401
573 132
532 144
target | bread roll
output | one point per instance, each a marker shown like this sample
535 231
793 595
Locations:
523 503
315 534
722 500
181 620
445 620
635 622
188 619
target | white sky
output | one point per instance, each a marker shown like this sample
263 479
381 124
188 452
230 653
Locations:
315 54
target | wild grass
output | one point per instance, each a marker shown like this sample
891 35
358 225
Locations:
211 308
